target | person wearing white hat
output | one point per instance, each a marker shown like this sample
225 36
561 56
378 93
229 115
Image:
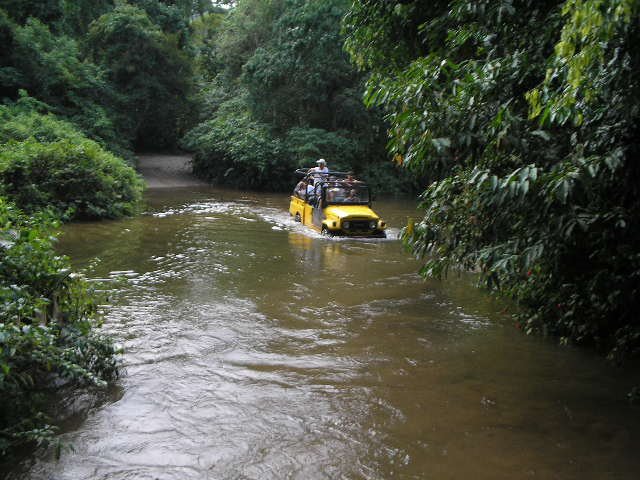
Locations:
321 168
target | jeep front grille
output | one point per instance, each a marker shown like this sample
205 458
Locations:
358 226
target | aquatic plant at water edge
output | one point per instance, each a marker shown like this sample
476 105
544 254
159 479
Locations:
47 329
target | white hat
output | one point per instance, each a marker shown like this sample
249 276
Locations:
322 160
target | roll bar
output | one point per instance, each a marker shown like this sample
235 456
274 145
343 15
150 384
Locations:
303 172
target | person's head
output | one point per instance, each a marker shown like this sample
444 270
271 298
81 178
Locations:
322 163
352 193
310 182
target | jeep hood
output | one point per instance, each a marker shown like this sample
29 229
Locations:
344 211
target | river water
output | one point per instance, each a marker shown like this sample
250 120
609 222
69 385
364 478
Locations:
257 349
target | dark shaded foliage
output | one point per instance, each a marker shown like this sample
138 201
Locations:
121 73
50 68
47 11
524 115
149 72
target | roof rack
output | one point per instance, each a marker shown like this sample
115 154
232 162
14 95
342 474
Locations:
303 172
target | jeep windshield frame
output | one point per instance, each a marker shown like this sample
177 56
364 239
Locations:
345 193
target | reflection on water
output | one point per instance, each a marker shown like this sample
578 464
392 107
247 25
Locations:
257 349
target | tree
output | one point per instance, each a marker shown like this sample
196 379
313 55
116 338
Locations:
78 15
50 67
149 71
303 70
524 116
47 11
283 60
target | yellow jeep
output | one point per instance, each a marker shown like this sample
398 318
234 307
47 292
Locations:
335 204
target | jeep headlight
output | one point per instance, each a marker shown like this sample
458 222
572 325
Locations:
345 224
372 224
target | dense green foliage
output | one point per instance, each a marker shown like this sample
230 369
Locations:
119 71
78 72
67 175
29 119
524 115
278 92
149 71
50 68
48 163
46 321
235 149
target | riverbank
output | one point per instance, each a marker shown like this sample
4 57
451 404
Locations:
167 171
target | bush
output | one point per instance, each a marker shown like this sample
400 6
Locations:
68 175
306 145
22 121
233 149
148 69
47 320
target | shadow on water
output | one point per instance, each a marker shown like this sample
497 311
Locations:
256 348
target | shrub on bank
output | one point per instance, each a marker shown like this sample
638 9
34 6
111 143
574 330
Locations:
76 175
28 117
23 121
233 149
47 336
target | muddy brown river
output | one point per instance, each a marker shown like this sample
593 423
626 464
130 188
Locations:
257 349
